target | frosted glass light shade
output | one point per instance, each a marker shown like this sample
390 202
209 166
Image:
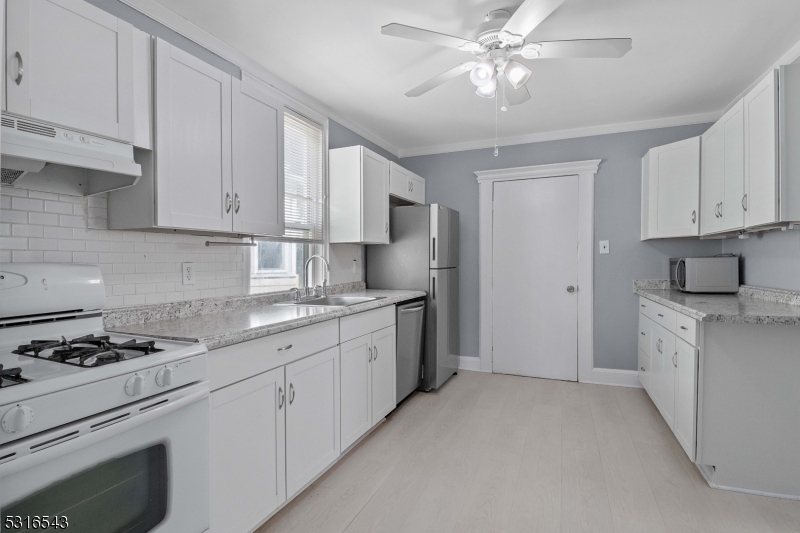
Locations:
517 74
488 90
482 73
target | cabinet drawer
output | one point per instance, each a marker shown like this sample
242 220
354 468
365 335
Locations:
662 316
686 328
644 370
241 361
353 326
644 306
644 333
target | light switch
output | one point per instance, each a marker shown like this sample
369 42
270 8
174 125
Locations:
604 247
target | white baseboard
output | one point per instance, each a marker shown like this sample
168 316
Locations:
610 376
469 363
708 474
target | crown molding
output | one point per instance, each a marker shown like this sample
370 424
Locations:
684 120
539 171
178 24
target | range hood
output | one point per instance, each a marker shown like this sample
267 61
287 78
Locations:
38 156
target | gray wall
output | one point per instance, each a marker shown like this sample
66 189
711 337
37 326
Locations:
451 181
770 259
341 137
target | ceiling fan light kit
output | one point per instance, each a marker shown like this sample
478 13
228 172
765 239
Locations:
499 38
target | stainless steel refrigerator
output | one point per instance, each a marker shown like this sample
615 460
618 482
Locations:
423 255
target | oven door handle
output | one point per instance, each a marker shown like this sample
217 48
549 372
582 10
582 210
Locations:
80 435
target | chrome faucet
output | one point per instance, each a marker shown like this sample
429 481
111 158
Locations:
324 281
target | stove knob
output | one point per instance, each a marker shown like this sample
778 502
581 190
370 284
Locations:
165 376
135 385
17 419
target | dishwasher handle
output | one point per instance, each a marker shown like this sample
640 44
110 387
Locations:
413 309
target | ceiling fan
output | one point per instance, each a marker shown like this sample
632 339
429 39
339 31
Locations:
499 38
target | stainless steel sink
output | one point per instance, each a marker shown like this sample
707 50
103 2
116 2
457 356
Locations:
333 301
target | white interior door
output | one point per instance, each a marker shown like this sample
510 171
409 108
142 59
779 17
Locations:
535 261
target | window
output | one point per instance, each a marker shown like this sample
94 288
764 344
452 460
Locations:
277 265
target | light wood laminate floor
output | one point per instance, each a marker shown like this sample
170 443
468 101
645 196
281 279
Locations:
496 453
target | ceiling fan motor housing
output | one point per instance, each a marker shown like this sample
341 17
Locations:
488 32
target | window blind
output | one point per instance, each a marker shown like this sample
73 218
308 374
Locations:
303 189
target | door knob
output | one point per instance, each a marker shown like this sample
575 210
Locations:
570 289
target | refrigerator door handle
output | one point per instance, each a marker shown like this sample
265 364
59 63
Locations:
433 290
433 251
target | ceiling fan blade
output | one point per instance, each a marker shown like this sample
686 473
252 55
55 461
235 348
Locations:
426 36
440 79
529 15
514 96
585 48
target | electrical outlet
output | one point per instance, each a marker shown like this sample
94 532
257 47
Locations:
188 273
604 247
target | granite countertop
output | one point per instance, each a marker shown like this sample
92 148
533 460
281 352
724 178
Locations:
224 328
752 305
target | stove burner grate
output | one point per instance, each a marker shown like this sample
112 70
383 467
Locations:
89 350
11 376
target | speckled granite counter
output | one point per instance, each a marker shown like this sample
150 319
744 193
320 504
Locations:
752 305
224 328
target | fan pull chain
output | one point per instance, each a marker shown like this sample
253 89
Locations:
496 113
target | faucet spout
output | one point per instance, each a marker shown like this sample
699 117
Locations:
324 281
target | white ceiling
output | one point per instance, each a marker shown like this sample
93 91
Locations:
689 57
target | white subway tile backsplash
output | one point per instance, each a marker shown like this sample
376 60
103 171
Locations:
138 267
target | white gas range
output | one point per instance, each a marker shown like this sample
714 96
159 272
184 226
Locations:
92 422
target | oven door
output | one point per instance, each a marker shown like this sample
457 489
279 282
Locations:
135 469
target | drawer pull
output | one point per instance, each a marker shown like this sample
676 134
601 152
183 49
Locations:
659 314
684 328
289 347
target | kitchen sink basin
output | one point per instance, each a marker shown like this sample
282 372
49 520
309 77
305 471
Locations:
333 301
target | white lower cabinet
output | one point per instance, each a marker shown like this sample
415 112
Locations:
312 417
668 369
685 425
247 466
368 382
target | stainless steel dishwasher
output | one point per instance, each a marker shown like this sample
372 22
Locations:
410 342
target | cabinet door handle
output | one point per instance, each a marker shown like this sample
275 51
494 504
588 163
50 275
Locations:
641 305
228 202
744 202
643 370
694 217
409 186
291 393
387 227
674 362
370 354
412 186
284 348
375 356
659 314
642 332
684 328
20 68
237 202
281 397
720 209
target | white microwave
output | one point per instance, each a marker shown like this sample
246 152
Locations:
705 274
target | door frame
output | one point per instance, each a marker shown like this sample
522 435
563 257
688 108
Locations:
585 170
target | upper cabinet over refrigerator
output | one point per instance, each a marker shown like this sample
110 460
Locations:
70 64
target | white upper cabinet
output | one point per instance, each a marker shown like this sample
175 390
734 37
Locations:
761 176
359 196
71 64
722 175
193 142
405 184
257 160
671 190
